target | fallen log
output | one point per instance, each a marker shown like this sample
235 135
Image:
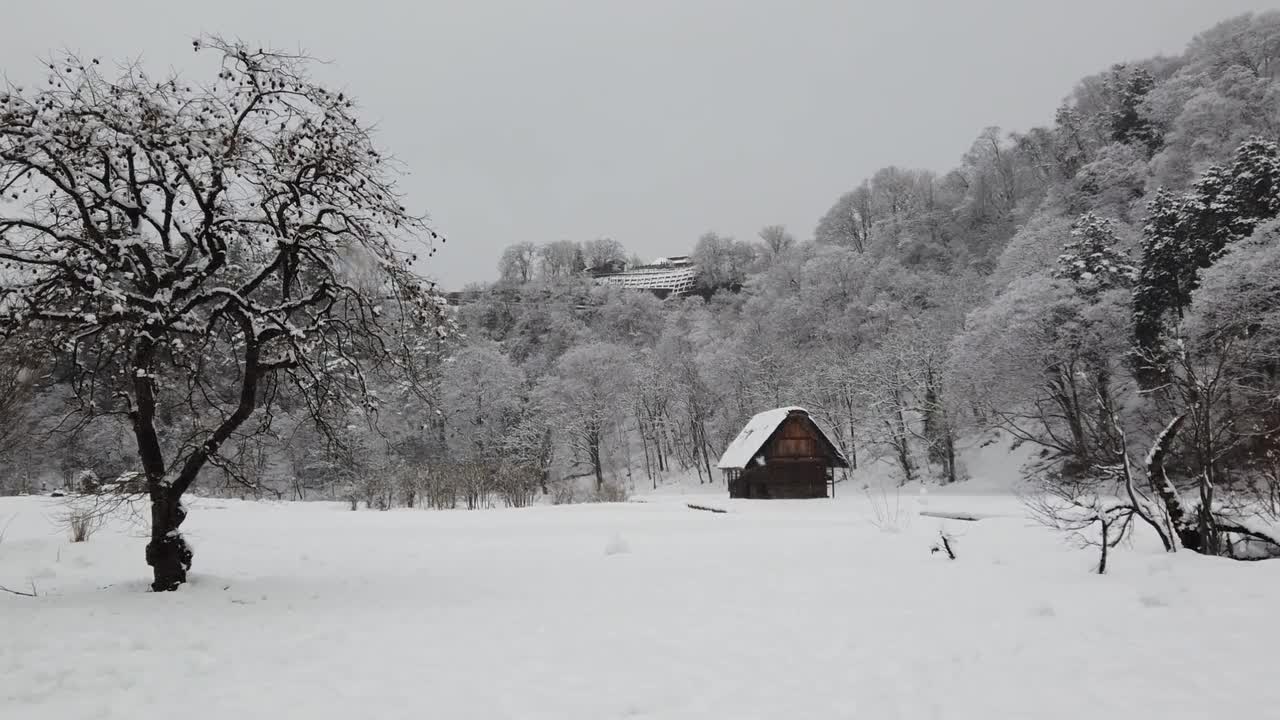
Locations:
953 516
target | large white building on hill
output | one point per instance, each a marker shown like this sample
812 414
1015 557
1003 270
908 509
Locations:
664 277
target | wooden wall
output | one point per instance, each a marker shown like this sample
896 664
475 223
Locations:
795 439
781 479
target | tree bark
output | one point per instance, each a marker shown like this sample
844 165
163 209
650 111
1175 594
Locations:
167 553
593 450
949 448
1164 488
898 428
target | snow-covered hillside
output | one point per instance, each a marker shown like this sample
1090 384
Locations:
774 609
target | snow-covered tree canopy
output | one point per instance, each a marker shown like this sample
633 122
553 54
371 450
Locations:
187 243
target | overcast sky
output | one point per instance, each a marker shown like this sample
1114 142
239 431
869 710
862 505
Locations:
650 121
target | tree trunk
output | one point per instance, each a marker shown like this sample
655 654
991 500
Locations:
1179 523
900 442
1106 543
626 452
662 456
706 458
949 445
853 443
1070 405
168 553
904 459
593 449
644 446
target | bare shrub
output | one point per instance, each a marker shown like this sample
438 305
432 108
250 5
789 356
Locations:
438 489
476 481
83 517
518 485
82 526
611 492
564 492
19 483
1076 507
410 483
888 512
86 481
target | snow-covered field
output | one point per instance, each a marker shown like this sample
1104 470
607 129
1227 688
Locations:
775 609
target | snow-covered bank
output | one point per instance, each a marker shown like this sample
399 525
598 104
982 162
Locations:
774 609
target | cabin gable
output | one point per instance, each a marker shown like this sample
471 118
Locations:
795 438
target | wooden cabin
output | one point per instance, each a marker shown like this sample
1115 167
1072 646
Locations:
781 453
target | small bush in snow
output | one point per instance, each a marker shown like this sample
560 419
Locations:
611 492
888 512
82 521
351 494
564 492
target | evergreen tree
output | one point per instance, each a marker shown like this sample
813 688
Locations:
1184 236
1158 285
1090 260
1255 179
1129 87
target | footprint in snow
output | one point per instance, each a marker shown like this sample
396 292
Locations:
1044 611
617 545
1150 600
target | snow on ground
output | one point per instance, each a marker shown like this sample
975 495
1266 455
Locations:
774 609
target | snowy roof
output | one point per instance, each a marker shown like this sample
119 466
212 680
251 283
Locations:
754 435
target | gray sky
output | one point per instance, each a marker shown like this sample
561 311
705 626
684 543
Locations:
650 121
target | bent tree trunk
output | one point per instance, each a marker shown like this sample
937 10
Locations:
167 553
1198 532
1163 486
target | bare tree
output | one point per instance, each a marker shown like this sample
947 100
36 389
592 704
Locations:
196 249
722 260
517 261
560 259
587 392
1111 497
602 251
776 239
886 377
849 221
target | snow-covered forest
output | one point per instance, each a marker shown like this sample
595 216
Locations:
1076 286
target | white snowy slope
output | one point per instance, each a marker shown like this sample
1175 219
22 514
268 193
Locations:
775 609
